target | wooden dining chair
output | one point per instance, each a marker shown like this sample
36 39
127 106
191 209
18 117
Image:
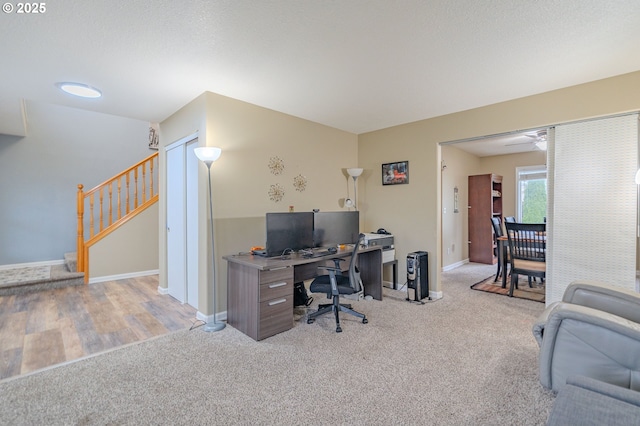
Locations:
497 233
527 248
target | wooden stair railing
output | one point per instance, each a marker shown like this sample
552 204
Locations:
132 191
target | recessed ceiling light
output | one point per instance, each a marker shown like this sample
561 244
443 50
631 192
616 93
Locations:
79 89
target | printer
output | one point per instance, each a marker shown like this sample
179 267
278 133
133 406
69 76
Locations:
383 240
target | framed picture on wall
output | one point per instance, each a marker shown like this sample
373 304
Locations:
395 173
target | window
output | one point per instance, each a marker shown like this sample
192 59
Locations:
531 194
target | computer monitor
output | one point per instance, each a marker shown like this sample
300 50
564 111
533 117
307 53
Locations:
332 228
288 232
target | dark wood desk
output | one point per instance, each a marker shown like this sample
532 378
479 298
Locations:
260 289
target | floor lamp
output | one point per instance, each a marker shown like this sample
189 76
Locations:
209 154
354 173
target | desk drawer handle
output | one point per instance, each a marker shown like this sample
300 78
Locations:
277 302
276 285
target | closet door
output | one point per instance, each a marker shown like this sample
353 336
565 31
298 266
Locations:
176 224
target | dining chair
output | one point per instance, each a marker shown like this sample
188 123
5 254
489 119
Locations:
497 233
527 248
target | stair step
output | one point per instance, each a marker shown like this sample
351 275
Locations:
71 261
29 280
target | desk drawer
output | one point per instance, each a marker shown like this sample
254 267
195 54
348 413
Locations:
275 284
275 316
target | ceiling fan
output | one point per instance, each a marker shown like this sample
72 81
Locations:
538 140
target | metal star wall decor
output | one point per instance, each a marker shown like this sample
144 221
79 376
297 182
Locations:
276 192
300 183
276 165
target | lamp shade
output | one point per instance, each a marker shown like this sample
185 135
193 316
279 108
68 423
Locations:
207 153
355 172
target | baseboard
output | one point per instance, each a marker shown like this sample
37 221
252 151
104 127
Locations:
163 290
220 316
454 265
435 295
96 280
33 264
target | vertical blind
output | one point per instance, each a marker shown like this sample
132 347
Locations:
593 203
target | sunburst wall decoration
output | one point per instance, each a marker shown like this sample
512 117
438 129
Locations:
300 183
276 165
276 192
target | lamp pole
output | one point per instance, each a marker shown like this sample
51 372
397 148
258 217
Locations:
208 155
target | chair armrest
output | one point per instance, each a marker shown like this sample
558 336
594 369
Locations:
330 269
579 340
541 322
604 297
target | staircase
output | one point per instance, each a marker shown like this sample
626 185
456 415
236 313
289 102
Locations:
39 278
100 211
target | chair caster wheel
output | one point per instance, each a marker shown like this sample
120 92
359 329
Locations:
364 320
338 329
310 321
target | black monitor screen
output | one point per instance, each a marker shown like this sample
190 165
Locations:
289 231
332 228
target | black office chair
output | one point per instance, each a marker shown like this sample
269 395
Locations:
334 284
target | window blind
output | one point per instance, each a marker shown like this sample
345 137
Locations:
592 203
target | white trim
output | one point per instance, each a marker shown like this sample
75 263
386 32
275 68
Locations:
123 276
454 266
220 316
435 295
32 264
181 141
163 290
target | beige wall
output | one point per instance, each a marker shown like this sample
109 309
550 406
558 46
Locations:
249 136
413 212
130 249
459 166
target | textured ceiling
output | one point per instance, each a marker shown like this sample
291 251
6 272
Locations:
356 65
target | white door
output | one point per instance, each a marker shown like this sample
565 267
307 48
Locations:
182 221
176 223
191 174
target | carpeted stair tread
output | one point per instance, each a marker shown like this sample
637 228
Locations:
59 277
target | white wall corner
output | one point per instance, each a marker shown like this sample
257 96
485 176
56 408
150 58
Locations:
220 316
163 290
454 265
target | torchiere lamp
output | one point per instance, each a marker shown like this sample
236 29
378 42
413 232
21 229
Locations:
354 173
209 154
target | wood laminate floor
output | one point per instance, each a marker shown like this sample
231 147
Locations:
42 329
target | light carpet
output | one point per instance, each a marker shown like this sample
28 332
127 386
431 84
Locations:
467 359
21 275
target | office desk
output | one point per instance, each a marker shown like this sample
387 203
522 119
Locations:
260 289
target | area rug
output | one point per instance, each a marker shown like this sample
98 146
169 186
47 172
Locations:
20 275
535 293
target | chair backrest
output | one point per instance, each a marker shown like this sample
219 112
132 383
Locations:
354 274
497 226
527 241
509 219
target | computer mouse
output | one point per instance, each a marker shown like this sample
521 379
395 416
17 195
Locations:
332 250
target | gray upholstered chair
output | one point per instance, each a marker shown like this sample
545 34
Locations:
587 402
593 332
